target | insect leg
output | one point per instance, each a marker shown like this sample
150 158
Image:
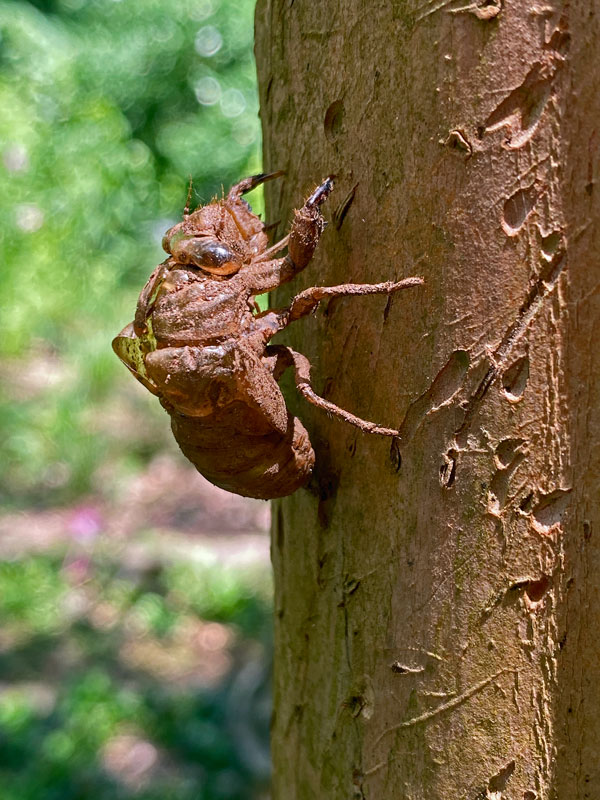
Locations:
268 323
250 183
306 230
278 358
286 357
309 299
276 248
307 227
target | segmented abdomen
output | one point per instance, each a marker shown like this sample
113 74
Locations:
262 466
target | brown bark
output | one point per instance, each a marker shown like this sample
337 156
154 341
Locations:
437 621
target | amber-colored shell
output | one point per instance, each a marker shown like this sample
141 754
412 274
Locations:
199 344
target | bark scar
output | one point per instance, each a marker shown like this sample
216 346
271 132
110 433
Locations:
456 701
532 305
340 212
522 109
442 390
482 9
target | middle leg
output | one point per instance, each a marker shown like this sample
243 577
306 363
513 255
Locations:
309 299
276 319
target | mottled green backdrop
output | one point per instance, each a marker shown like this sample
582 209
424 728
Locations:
108 107
134 598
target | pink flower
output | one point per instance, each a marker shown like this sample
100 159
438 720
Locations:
86 523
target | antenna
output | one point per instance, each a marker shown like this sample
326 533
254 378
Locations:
186 210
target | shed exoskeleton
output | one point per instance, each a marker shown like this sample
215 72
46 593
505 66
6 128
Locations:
201 346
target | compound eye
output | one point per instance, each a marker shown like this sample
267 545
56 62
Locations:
212 256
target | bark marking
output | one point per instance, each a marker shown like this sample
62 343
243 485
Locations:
497 783
334 120
515 379
500 484
482 9
531 590
404 669
340 212
456 701
457 141
549 510
517 208
443 389
534 301
506 451
522 110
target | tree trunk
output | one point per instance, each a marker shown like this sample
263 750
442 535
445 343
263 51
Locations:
437 604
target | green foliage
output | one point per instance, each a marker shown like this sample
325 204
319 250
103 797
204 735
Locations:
108 108
241 596
31 592
74 707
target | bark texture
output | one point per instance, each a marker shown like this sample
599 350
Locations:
437 604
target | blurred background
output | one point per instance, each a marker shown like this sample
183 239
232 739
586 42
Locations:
135 598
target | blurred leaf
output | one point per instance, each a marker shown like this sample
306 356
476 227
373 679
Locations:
77 720
108 107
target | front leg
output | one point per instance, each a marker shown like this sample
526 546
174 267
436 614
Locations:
307 227
306 230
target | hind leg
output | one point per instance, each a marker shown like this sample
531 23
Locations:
284 357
